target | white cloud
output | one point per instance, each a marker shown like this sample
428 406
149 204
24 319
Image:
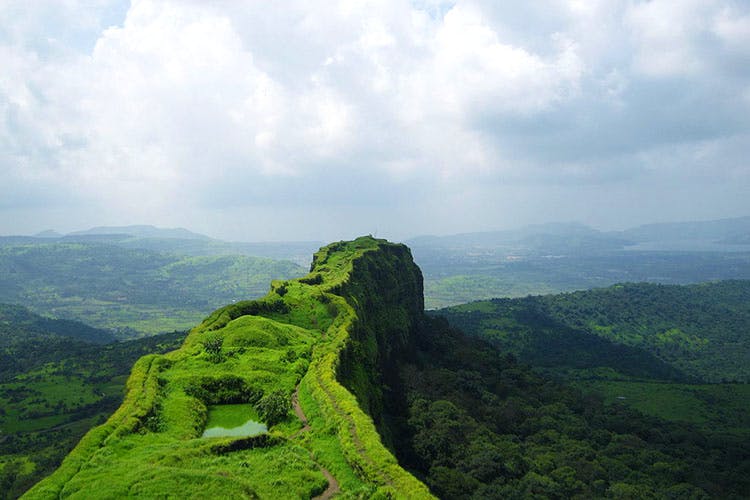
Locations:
180 102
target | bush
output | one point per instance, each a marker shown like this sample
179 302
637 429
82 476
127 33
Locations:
229 389
274 407
212 346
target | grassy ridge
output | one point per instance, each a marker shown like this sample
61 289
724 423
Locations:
298 332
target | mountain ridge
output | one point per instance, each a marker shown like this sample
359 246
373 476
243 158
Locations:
318 315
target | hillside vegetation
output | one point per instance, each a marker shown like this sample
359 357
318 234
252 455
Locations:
129 291
475 424
56 382
362 395
292 341
700 331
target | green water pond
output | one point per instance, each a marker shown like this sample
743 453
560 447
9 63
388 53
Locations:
233 420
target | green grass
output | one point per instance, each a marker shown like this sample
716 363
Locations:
151 446
59 390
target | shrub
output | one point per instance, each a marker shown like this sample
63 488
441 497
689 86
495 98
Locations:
212 346
274 407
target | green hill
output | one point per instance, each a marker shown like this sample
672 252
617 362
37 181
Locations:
295 340
698 330
18 323
131 292
28 340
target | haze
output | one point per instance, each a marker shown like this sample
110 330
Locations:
322 120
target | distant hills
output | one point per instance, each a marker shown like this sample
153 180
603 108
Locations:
175 240
536 259
143 231
551 239
560 257
717 231
129 291
575 237
19 324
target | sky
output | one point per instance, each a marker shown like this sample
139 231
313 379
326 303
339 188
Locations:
307 120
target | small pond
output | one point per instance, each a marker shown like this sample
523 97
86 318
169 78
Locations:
233 420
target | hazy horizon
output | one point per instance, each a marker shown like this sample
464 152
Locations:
403 238
248 121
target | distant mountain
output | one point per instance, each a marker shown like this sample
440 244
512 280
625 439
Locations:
297 251
712 230
49 233
488 238
175 241
143 231
535 239
130 290
561 234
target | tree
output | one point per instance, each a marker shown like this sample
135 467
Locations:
274 407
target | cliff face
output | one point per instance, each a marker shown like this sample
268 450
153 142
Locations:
328 339
385 290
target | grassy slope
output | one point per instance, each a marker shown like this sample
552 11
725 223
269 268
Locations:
294 336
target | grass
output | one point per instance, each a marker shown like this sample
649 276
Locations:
151 446
46 407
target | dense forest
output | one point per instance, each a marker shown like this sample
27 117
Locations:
698 330
476 424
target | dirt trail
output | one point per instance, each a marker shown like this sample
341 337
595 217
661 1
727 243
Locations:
300 414
333 485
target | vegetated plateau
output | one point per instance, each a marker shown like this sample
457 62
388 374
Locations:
366 396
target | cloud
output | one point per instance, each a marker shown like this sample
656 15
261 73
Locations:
152 109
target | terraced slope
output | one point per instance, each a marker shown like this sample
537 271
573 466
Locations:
324 338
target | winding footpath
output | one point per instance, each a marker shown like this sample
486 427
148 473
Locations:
333 485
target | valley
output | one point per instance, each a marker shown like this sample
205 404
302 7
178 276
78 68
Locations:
625 362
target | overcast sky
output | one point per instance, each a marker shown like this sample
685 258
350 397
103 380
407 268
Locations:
326 120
